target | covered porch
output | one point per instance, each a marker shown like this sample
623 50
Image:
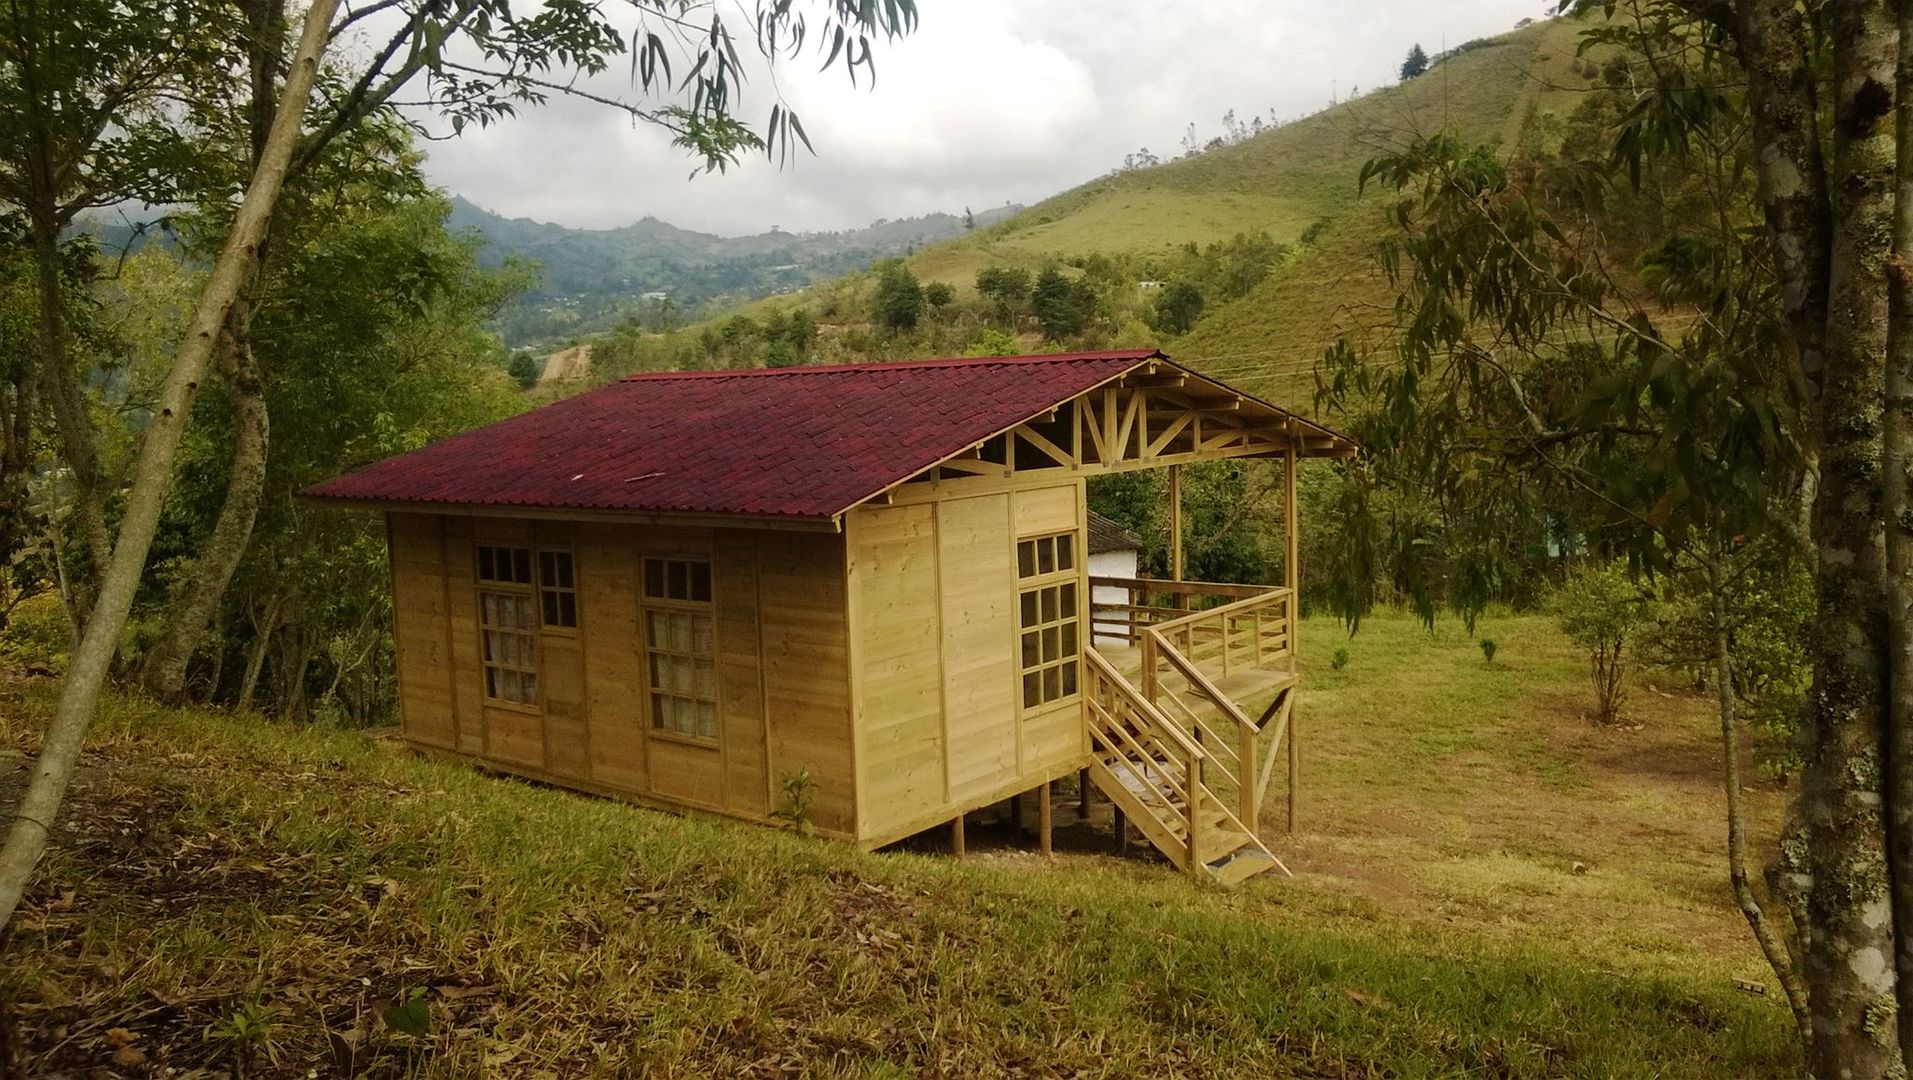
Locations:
1189 699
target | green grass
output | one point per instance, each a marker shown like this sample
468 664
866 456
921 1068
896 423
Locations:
231 888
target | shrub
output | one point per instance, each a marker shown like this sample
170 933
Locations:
1340 659
1488 649
1599 607
524 367
37 633
1062 307
938 294
899 300
1178 305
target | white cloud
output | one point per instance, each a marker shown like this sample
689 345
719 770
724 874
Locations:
992 101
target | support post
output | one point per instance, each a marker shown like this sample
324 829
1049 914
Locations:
1292 550
1043 819
1121 823
1292 577
1082 793
1175 525
1016 815
956 836
1295 768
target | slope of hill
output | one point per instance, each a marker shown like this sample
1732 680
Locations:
229 893
1296 181
592 276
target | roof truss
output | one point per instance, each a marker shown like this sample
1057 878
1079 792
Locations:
1157 414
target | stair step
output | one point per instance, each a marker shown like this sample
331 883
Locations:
1240 866
1218 843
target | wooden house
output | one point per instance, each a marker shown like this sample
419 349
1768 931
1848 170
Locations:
690 589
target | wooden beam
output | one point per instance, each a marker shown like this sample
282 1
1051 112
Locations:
1292 577
956 836
1061 456
1175 523
1043 819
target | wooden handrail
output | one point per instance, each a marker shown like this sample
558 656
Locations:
1190 588
1264 598
1159 724
1197 679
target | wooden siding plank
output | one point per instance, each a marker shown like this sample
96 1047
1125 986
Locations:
977 583
898 650
806 668
739 666
613 655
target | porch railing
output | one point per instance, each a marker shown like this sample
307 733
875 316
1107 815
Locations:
1194 636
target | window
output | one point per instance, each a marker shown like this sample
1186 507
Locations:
557 590
680 635
1047 617
505 624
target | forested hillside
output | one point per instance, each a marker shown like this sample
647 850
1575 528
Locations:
590 278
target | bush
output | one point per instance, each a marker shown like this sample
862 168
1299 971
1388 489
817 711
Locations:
1062 307
1488 649
524 367
1007 286
36 633
938 294
1340 659
899 300
1599 607
1178 305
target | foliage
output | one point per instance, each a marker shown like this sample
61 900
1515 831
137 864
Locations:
938 294
1007 286
1488 649
1062 305
898 302
1339 659
523 367
37 633
1600 609
1415 63
994 342
799 790
1178 305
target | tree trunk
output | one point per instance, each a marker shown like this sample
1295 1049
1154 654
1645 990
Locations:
256 656
204 588
152 477
219 557
1896 473
79 444
1850 965
1771 946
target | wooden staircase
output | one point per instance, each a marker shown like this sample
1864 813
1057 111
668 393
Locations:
1160 776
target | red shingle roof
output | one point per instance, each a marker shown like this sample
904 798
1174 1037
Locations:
805 442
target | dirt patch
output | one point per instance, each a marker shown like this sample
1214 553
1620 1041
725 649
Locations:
567 365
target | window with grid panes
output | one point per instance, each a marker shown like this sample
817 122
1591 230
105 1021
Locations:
507 627
1047 619
557 589
680 641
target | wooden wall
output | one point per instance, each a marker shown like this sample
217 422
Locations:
938 719
917 600
782 665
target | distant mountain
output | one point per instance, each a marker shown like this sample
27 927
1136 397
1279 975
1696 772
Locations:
593 277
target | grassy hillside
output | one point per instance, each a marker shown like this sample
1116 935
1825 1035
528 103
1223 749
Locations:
1283 182
1485 885
1296 183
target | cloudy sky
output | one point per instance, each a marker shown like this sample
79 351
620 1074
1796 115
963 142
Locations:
992 101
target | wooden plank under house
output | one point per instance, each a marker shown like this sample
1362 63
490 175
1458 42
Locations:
682 589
